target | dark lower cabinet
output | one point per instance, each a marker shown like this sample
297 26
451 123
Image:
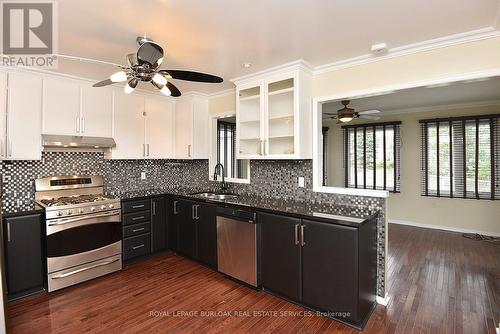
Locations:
159 222
172 222
206 234
281 255
24 254
196 230
186 228
137 234
328 267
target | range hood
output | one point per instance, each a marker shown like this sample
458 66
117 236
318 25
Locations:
60 141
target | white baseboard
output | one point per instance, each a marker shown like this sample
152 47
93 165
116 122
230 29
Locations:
382 301
441 227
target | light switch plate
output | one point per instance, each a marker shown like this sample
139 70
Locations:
302 182
143 175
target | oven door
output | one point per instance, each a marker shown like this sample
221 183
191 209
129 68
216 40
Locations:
76 240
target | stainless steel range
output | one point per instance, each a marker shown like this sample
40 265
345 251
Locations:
84 229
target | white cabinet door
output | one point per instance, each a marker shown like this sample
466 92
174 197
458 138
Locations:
184 129
3 115
61 107
200 129
24 117
128 126
97 111
159 128
250 121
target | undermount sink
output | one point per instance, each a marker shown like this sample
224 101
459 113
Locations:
216 196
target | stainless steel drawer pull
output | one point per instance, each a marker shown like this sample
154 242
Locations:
175 208
138 229
297 234
8 232
302 241
137 247
154 208
83 269
137 206
137 218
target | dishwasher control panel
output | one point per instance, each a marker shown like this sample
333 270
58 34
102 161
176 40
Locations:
238 214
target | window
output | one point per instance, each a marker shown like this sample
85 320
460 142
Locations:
460 156
371 156
324 130
226 151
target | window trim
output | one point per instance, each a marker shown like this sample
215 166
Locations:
467 194
212 151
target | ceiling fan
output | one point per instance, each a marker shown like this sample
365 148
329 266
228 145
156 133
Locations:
347 114
144 66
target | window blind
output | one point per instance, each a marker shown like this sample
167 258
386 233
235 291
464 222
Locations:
325 154
372 156
226 149
460 157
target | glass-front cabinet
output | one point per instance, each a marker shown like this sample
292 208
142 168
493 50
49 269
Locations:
273 115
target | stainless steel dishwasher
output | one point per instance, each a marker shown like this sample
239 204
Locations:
237 244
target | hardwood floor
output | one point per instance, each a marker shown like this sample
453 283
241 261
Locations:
438 282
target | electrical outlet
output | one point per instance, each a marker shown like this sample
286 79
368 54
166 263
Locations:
143 175
302 182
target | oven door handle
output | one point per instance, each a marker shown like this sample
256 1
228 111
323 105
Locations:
83 269
84 218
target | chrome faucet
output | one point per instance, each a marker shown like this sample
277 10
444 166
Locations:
224 184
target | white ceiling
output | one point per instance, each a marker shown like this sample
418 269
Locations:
422 98
217 36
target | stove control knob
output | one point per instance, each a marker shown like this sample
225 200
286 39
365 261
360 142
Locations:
92 209
111 206
81 211
59 213
103 207
68 212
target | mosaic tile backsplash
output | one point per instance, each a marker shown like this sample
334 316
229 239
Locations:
272 179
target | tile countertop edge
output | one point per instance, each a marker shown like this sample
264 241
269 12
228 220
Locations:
24 211
326 217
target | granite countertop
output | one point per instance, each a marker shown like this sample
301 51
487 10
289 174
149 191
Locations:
23 209
350 215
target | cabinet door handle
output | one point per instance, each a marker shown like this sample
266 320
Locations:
138 218
193 214
197 207
10 148
138 229
137 206
147 147
154 207
83 124
261 150
143 150
189 151
77 124
1 148
297 234
137 247
8 232
175 208
302 240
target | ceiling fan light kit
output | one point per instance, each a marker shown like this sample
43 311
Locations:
347 114
144 66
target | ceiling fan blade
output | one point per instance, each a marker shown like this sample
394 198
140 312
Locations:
103 83
192 76
151 54
175 92
132 60
369 117
367 112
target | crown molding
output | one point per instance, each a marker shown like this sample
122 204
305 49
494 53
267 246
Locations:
230 91
436 43
452 106
293 65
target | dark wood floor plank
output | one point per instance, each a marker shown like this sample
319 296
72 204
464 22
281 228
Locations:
438 282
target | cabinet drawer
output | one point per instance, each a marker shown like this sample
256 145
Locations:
136 246
135 206
136 229
137 217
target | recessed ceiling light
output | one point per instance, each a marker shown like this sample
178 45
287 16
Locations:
379 48
246 65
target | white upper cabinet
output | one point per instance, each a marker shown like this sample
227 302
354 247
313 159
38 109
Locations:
24 117
191 128
74 107
61 107
96 111
3 115
128 126
273 115
159 128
